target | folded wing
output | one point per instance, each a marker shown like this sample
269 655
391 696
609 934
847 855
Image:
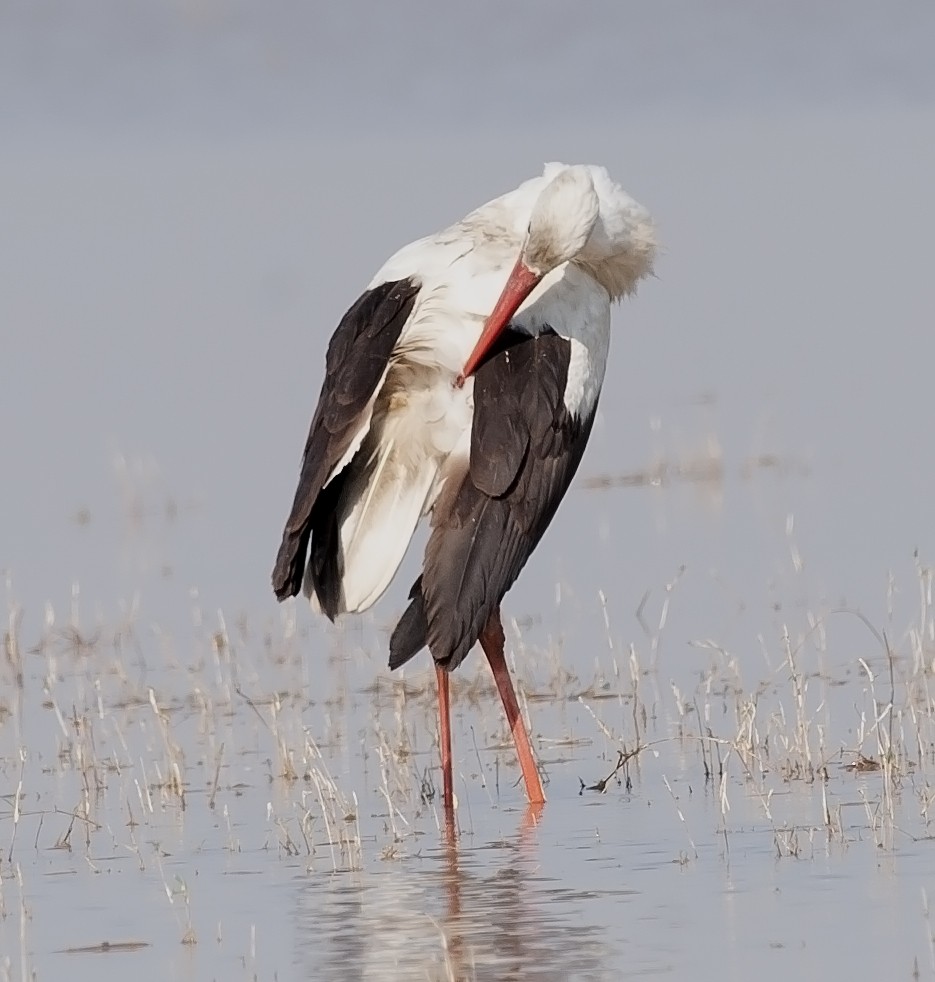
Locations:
525 448
356 365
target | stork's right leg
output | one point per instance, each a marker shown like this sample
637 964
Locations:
492 641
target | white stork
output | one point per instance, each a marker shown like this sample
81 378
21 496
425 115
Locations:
462 385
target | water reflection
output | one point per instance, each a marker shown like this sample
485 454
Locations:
463 911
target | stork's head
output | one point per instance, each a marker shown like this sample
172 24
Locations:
580 216
562 220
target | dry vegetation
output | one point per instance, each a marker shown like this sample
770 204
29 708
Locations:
120 744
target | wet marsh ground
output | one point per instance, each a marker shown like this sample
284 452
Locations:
259 800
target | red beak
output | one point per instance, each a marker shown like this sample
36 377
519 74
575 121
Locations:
519 285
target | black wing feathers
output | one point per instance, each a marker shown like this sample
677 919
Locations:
410 632
525 449
357 357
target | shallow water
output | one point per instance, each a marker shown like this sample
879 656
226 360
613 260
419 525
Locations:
272 855
197 783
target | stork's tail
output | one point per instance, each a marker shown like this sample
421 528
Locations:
409 635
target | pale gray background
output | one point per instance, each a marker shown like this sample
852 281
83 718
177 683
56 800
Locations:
193 194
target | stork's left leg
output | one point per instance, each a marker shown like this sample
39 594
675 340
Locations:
492 641
444 737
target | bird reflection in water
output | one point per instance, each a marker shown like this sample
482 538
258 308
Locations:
454 914
459 949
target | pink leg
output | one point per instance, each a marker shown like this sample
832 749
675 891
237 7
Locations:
492 641
444 737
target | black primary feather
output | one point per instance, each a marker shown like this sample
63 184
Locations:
357 359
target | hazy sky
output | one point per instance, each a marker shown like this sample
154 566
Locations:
194 193
208 68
